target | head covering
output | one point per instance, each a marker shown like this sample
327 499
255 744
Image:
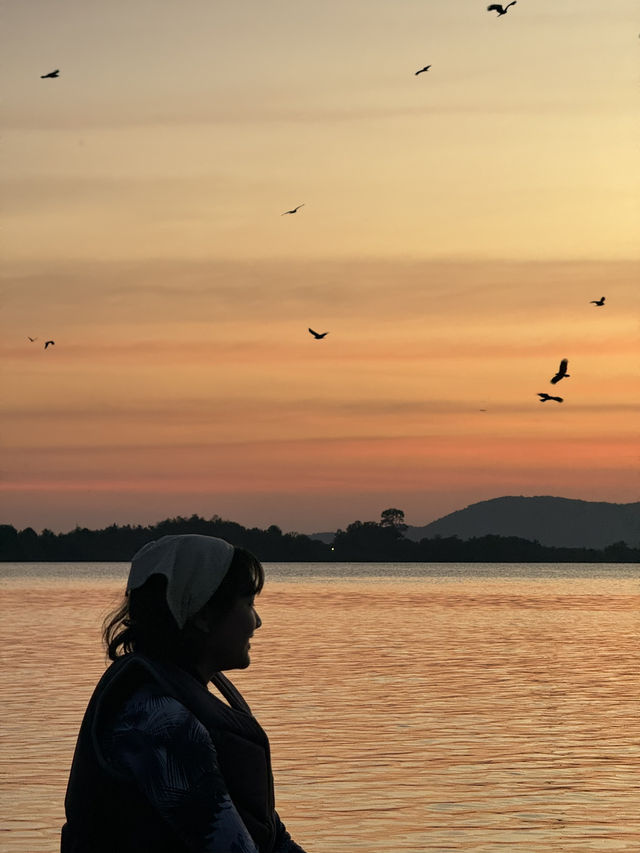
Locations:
193 565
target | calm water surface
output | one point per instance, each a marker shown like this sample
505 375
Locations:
410 707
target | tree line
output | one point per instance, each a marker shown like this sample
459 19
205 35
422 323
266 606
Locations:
368 541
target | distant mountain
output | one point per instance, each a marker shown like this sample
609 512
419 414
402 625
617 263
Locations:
559 522
327 538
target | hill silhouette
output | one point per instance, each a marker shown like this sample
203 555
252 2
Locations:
554 522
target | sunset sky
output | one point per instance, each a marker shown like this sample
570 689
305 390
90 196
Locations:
456 226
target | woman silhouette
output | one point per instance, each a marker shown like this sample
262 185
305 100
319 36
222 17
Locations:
162 764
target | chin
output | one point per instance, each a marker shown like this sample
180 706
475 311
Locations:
241 663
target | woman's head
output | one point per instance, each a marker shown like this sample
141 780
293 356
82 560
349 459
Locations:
182 591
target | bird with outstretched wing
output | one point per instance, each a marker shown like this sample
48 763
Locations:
501 10
544 397
562 372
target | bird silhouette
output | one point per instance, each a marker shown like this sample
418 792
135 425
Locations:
295 210
46 344
426 68
562 372
318 335
501 10
598 302
544 397
32 339
51 74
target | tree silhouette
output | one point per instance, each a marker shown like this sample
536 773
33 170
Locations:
367 541
393 518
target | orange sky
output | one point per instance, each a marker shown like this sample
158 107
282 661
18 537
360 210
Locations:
456 226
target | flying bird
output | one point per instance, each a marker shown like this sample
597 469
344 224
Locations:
501 10
51 74
599 302
544 397
46 344
318 335
32 339
562 372
426 68
295 210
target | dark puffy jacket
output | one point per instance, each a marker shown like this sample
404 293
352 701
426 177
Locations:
106 813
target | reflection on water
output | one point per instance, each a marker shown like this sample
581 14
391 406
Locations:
471 713
306 571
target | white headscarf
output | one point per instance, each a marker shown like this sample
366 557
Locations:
194 566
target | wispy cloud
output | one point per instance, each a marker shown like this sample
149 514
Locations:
323 466
197 410
216 351
387 290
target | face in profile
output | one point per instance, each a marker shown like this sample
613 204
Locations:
229 638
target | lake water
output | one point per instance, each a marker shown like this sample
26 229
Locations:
410 707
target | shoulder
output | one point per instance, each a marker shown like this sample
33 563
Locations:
152 718
149 706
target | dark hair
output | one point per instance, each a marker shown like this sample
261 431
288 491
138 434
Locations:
144 623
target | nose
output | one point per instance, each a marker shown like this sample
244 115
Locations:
258 620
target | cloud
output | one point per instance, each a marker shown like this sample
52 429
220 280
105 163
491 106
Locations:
355 466
310 108
161 197
262 348
347 292
198 411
